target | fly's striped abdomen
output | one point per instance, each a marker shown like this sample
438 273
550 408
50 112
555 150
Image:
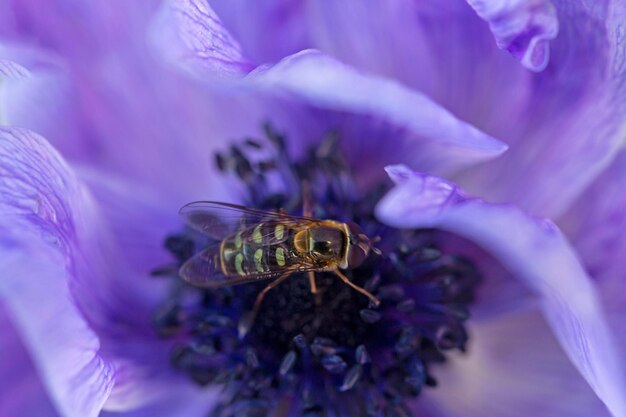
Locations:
260 250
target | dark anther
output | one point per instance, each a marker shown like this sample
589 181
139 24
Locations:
220 161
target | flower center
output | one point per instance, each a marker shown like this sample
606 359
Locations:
308 354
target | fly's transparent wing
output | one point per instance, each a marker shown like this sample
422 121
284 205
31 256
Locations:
221 220
205 268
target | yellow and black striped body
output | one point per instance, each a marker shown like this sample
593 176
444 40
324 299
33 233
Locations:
272 248
261 250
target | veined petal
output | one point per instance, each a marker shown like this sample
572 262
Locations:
437 140
189 33
38 203
534 251
21 390
522 27
514 367
84 309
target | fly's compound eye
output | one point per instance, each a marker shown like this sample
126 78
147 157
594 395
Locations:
356 256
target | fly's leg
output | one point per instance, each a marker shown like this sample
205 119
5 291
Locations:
246 322
312 282
363 291
313 285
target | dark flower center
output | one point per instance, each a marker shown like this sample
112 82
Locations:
327 354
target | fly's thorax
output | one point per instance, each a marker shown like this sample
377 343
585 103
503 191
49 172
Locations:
324 243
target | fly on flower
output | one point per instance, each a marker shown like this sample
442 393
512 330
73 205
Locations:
258 244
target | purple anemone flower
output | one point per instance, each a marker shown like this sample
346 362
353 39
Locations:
479 146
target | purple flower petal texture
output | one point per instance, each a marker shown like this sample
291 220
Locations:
572 124
523 27
491 112
189 30
596 224
23 393
437 140
492 379
534 251
563 124
40 216
268 30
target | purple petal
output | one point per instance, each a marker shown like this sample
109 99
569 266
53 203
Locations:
21 391
84 307
74 28
514 367
39 199
188 32
39 97
267 29
438 47
436 140
522 27
167 122
175 402
534 251
596 223
563 124
573 121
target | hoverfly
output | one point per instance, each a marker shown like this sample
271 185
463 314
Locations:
257 244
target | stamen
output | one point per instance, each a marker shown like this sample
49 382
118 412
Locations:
335 352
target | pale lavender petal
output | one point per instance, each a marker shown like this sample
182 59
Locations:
523 27
21 390
436 141
514 367
190 34
536 252
40 197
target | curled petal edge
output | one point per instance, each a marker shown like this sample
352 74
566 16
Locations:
522 27
441 142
